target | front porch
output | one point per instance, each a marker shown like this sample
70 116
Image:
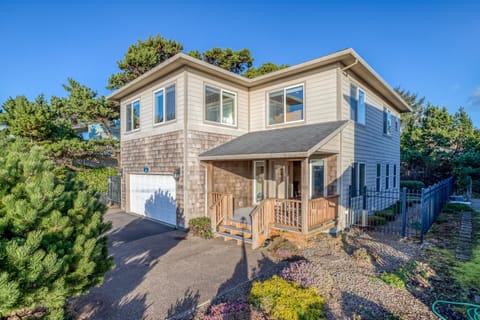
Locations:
251 201
282 180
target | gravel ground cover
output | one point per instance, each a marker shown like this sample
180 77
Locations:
350 278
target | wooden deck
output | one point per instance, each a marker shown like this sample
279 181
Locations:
272 215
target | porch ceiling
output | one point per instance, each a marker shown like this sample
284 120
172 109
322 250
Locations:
300 141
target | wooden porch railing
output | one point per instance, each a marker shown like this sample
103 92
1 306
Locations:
322 210
288 213
220 207
261 220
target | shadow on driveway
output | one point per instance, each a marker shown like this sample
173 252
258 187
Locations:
160 272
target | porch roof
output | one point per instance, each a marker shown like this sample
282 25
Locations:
299 141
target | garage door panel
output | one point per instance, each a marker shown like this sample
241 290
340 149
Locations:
154 196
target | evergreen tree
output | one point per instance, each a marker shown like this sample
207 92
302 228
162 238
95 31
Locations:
141 57
263 69
228 59
52 243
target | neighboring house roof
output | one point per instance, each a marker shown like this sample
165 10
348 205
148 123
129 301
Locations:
301 141
347 57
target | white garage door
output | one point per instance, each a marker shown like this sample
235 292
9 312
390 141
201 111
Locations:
153 196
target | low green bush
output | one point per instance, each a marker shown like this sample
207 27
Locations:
456 208
96 178
283 300
412 184
376 220
388 214
201 227
395 279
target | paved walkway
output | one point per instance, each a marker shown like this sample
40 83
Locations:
161 272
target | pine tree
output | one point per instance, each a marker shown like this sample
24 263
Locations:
52 242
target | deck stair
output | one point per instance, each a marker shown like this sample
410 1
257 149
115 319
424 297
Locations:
237 228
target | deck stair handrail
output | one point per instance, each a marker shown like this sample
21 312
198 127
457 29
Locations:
261 221
221 208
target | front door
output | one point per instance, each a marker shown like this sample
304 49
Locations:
280 172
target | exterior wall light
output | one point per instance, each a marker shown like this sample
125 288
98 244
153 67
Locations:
176 174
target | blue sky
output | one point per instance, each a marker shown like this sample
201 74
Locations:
428 47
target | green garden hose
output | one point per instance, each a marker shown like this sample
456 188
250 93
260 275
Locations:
473 310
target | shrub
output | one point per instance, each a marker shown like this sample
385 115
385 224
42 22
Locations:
96 178
283 300
388 214
228 310
376 220
304 273
282 249
412 184
201 227
52 243
456 208
394 279
361 254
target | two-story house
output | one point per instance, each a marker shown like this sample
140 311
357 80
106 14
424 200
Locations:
257 156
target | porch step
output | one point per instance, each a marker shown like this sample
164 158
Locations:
240 220
229 236
247 233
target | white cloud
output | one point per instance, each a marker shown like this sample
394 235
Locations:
474 99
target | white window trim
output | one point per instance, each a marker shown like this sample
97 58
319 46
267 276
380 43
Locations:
235 111
164 89
285 105
325 187
358 106
139 109
255 180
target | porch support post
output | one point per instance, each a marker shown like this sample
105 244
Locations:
209 188
305 191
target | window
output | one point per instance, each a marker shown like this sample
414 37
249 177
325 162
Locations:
394 176
164 107
387 121
219 106
317 187
387 176
358 178
379 176
357 104
361 107
259 174
286 105
132 113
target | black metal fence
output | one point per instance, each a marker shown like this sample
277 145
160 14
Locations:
407 213
114 192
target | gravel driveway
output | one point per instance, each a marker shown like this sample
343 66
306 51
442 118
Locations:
161 272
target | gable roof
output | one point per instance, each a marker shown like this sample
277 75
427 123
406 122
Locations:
299 141
347 57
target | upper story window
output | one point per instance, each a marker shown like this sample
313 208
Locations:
387 121
357 104
132 114
164 105
286 105
220 106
